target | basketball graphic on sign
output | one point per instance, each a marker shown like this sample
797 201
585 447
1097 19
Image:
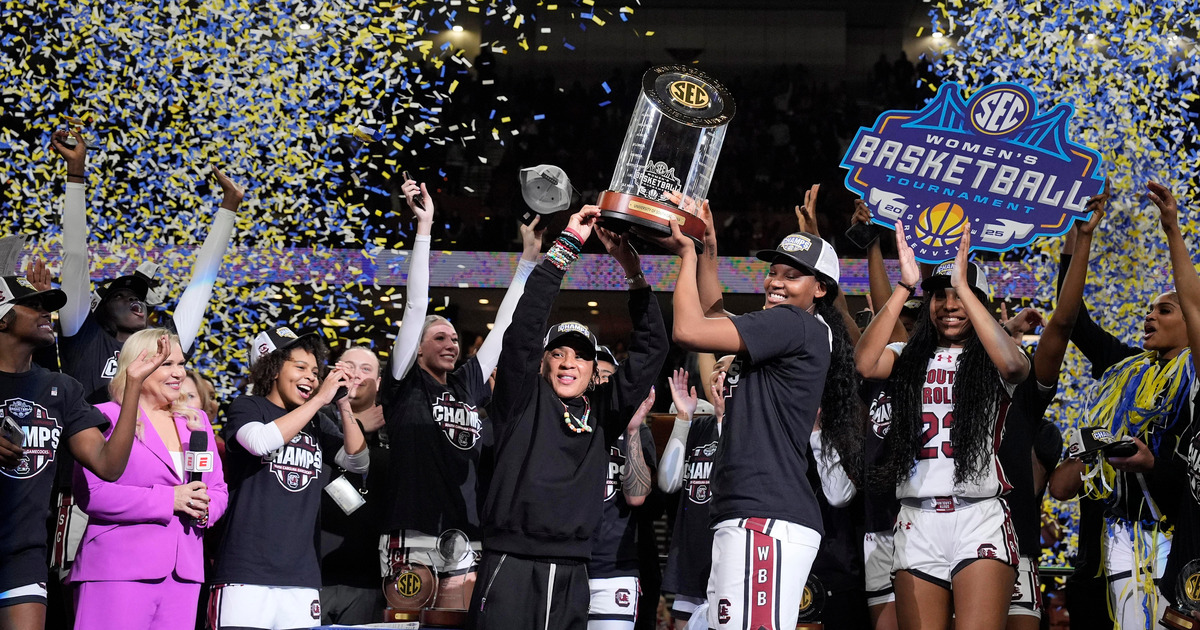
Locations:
941 225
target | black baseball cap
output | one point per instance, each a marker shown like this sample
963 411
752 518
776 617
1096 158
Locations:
16 289
603 353
139 284
976 277
810 253
274 339
575 335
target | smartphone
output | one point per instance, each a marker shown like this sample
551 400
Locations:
1120 449
12 432
862 234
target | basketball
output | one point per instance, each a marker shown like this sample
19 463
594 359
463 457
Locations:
942 225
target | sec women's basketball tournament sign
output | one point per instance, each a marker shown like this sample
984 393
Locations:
992 162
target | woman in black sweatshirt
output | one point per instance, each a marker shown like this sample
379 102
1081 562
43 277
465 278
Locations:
554 424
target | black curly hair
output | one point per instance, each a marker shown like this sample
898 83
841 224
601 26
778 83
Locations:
843 415
976 397
266 369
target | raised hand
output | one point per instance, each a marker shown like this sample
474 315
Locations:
685 400
531 238
584 221
958 277
806 214
336 378
619 247
717 389
1168 208
419 200
231 192
687 204
910 272
37 274
144 365
1023 322
862 212
75 156
710 230
639 416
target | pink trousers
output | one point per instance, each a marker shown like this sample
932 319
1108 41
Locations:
166 604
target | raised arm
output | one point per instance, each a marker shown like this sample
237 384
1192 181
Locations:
260 438
189 311
712 299
75 272
871 356
693 330
671 466
648 344
1048 358
107 458
408 338
489 352
879 284
637 479
1008 357
1183 270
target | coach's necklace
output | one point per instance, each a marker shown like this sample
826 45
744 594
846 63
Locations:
578 425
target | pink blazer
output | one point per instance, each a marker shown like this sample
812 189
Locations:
133 531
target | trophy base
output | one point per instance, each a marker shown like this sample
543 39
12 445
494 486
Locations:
443 618
650 217
402 616
810 625
1179 620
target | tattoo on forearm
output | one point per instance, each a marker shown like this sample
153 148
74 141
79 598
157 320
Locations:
635 481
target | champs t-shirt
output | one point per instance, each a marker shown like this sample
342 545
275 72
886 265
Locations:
271 536
49 407
90 357
690 558
614 544
436 437
1029 403
774 390
933 475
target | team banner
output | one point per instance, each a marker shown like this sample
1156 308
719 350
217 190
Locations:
992 162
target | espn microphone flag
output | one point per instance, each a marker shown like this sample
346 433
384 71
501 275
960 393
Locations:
198 459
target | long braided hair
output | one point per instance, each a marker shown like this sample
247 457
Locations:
843 415
976 398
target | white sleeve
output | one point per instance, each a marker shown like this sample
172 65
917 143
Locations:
408 339
489 353
835 483
260 438
356 463
74 276
189 311
670 466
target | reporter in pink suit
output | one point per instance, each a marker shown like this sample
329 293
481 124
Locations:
141 563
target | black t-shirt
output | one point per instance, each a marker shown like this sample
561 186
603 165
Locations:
614 543
1029 403
774 391
50 409
90 357
1185 547
690 558
839 561
436 436
879 506
350 542
271 536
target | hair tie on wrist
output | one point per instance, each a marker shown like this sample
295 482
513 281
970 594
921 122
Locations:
912 290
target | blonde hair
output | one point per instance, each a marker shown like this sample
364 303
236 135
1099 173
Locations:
147 341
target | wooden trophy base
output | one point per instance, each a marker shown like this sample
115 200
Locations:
810 625
1179 620
649 217
443 618
405 618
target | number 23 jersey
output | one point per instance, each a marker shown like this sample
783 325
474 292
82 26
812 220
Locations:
933 475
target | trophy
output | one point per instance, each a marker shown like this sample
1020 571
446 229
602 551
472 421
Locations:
812 601
672 144
409 588
1187 599
453 590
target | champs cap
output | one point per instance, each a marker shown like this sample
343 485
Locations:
603 353
561 334
16 289
545 188
911 307
274 339
810 253
976 277
703 408
141 282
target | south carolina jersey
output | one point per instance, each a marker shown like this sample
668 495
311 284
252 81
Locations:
933 474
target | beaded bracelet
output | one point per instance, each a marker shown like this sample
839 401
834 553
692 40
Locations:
561 255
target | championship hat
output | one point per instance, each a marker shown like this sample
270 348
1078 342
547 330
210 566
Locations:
545 188
809 253
703 408
274 339
141 282
567 332
976 277
603 353
16 289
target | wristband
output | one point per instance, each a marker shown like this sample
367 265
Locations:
912 290
572 232
630 280
79 175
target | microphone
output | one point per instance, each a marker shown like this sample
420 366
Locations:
198 460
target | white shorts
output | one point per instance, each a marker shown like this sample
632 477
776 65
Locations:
412 546
1131 591
613 599
28 594
935 545
878 549
1027 590
684 606
254 606
758 573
